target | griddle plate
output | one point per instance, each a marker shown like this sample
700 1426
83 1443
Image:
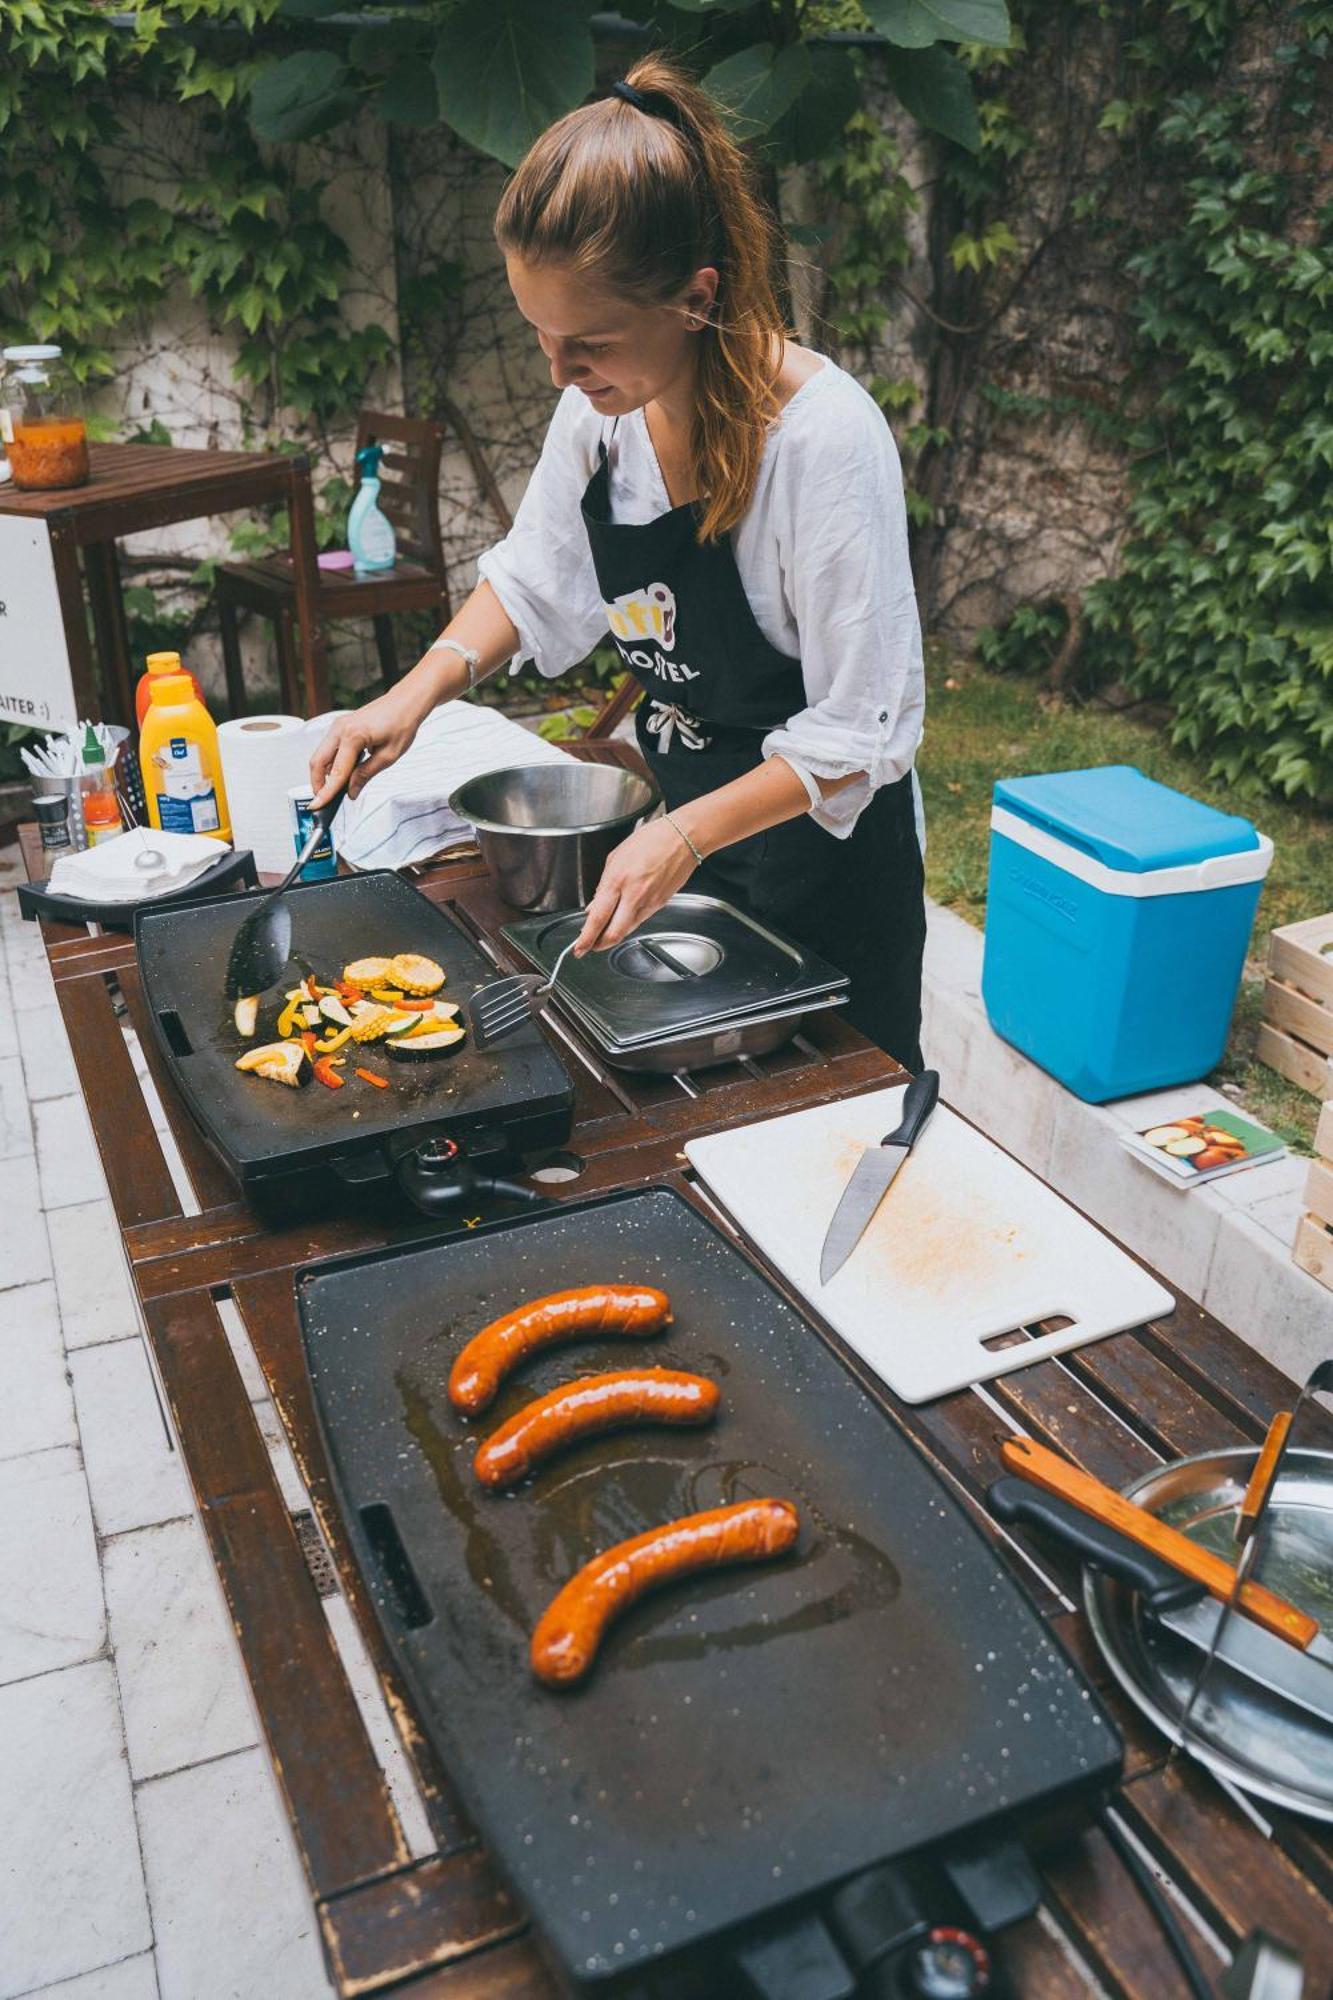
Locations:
259 1128
746 1738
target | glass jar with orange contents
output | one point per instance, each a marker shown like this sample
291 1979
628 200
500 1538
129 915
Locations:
41 413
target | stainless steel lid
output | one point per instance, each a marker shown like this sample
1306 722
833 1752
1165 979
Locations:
697 962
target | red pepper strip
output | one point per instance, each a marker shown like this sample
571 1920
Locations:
414 1006
308 1042
326 1074
346 991
312 986
380 1082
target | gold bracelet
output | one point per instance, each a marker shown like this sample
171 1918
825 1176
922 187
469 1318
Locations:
673 822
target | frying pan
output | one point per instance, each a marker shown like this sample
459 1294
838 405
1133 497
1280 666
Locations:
746 1740
505 1102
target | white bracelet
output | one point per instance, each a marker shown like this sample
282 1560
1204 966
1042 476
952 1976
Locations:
469 655
676 826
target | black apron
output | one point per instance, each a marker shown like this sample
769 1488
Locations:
714 688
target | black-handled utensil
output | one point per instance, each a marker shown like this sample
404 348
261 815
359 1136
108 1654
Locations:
263 944
1015 1501
874 1174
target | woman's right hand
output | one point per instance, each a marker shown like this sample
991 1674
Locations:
362 743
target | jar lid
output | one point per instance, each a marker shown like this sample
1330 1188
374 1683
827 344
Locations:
31 353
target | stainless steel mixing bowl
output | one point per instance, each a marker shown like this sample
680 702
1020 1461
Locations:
545 830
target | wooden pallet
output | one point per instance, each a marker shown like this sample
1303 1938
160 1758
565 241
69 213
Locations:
1296 1033
1313 1249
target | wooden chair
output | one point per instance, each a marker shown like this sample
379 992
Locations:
410 497
613 711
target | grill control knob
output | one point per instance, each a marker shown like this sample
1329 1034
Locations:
948 1964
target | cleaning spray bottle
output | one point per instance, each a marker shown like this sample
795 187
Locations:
369 531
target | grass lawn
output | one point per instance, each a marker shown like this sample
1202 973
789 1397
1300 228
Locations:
982 726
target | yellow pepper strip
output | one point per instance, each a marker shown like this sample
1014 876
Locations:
332 1042
387 993
290 1015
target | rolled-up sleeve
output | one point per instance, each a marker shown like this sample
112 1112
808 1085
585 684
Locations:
542 571
841 524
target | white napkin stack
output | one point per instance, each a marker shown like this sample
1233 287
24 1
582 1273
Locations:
108 873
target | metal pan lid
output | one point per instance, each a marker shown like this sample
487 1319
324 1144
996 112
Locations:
697 962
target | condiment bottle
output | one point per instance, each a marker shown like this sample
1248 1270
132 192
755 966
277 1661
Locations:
101 816
158 663
41 420
178 754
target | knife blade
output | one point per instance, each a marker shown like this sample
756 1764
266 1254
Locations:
1305 1678
874 1174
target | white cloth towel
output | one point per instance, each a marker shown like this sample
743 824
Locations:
403 814
108 873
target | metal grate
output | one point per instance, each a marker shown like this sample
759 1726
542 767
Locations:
317 1558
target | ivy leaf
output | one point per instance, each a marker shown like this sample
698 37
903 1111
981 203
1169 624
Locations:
934 86
813 125
300 96
506 68
409 96
916 24
758 84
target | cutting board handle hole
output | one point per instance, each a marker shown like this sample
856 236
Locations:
174 1029
996 1343
405 1594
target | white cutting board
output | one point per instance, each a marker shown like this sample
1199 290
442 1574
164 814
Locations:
966 1245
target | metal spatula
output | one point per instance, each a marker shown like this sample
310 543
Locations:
263 944
503 1006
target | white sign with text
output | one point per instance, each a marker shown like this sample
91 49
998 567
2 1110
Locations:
36 686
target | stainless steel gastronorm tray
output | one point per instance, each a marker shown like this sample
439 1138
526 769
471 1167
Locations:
697 963
1259 1742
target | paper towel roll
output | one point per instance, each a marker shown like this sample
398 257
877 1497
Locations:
263 756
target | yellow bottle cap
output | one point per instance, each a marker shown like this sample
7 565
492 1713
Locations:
171 690
164 663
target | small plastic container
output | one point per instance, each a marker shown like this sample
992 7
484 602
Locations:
42 420
323 863
1117 921
101 814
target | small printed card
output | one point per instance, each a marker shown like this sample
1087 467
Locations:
1202 1146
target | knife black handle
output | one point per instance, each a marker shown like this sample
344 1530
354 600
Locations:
919 1100
1012 1499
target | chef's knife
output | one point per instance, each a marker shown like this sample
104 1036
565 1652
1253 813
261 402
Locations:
874 1173
1303 1678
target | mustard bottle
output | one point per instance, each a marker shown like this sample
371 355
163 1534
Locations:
178 755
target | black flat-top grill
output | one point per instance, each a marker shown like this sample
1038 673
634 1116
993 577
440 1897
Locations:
745 1740
514 1099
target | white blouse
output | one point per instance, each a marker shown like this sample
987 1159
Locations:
822 555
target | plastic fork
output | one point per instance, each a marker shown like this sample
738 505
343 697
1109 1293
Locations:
502 1007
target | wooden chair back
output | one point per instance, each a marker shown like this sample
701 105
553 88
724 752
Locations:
409 481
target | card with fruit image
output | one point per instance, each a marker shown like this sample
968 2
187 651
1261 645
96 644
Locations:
1201 1146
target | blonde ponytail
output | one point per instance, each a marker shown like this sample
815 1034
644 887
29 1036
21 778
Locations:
641 199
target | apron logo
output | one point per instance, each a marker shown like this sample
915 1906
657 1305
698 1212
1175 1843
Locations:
665 720
646 613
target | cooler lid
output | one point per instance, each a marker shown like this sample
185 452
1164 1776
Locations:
1124 820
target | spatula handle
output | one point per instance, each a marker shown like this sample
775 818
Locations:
1159 1583
1054 1474
919 1100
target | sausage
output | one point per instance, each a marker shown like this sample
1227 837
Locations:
583 1409
581 1314
573 1625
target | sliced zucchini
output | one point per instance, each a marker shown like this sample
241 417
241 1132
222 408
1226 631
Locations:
403 1024
280 1062
366 972
416 974
415 1048
246 1014
331 1007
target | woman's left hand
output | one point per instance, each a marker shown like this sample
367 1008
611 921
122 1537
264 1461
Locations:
640 875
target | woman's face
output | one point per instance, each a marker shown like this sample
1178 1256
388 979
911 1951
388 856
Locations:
619 354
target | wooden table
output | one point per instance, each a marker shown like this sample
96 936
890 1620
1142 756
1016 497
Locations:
135 486
441 1927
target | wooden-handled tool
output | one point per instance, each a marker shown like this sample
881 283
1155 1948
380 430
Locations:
1261 1479
1056 1475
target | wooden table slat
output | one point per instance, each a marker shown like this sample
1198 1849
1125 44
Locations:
436 1913
141 1186
1100 1909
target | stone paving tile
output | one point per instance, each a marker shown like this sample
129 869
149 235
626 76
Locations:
92 1283
68 1165
48 1064
232 1915
134 1473
182 1686
36 1408
129 1979
15 1120
71 1886
25 1254
51 1608
29 974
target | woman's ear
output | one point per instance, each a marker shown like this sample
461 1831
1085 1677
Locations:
700 297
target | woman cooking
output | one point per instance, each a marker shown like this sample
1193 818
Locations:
731 504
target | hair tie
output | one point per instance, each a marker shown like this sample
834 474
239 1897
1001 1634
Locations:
630 95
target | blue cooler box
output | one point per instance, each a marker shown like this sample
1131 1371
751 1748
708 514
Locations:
1116 925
